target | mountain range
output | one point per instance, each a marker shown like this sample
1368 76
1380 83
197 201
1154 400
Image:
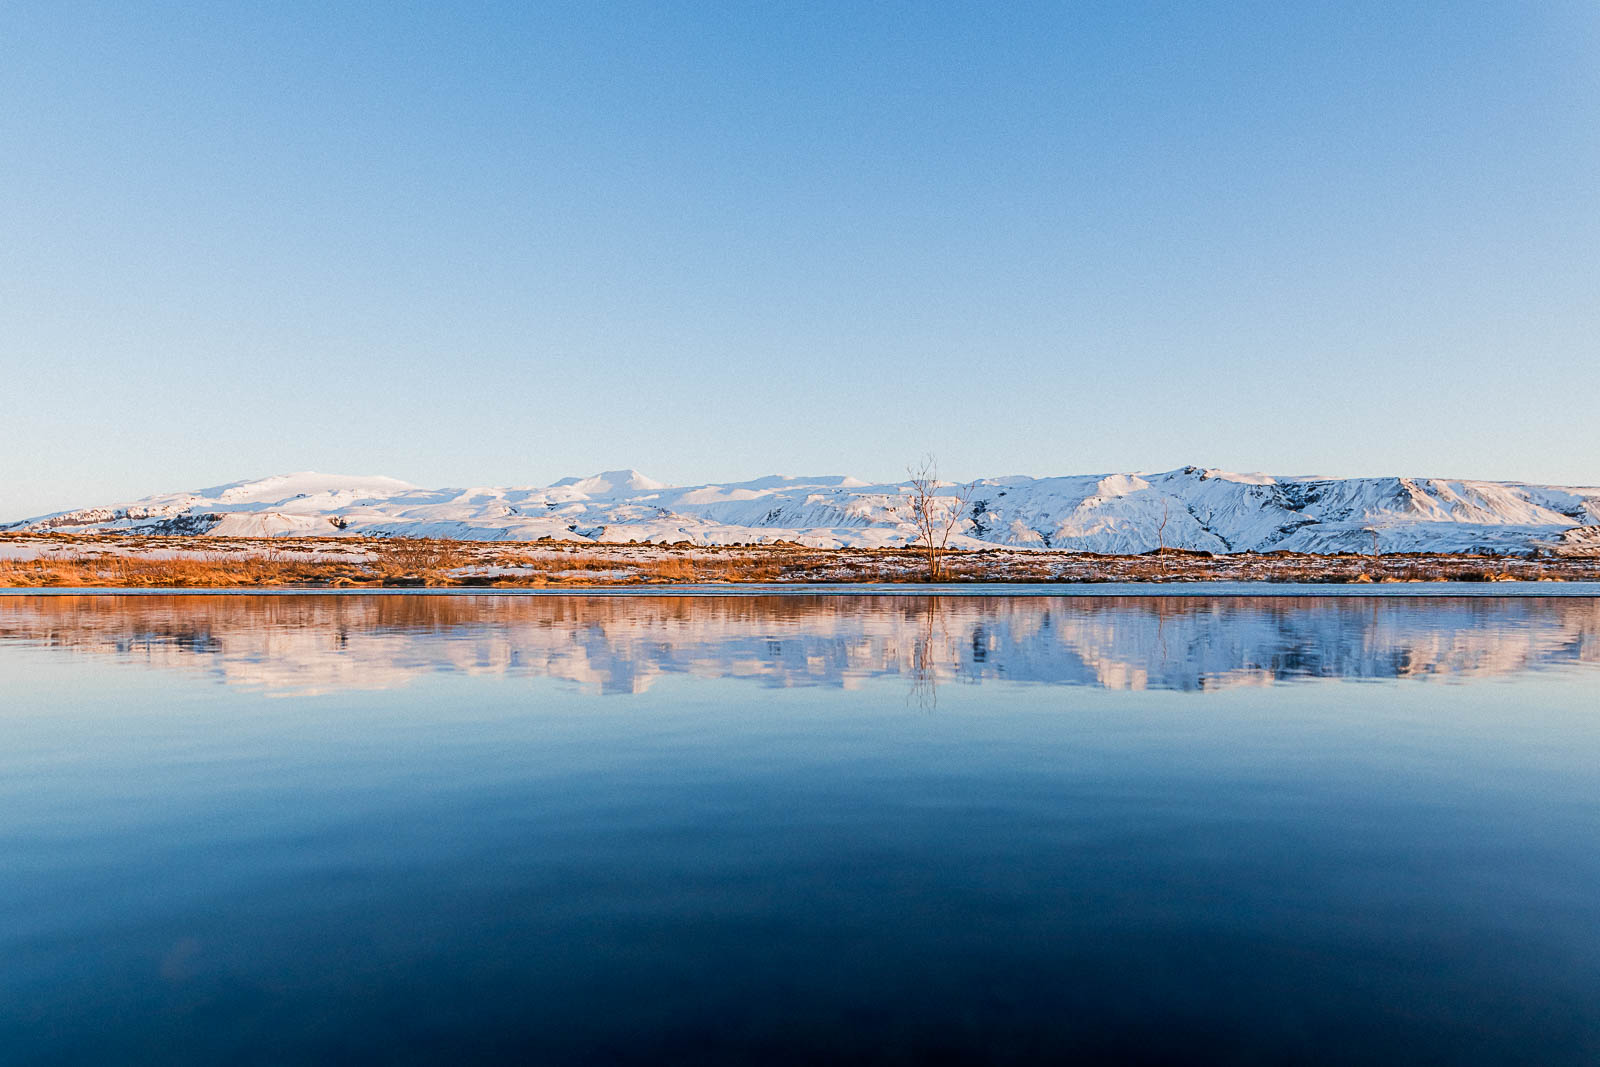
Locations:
1190 508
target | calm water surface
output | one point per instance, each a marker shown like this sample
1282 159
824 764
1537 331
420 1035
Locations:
799 829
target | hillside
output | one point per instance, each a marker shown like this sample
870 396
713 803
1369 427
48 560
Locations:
1190 508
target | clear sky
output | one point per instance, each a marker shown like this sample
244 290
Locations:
499 244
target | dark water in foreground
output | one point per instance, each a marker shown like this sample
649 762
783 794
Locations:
799 829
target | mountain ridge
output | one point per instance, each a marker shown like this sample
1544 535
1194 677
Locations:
1194 508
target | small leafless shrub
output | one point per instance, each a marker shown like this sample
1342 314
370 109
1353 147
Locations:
416 559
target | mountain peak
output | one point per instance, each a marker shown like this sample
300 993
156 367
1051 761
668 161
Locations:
305 483
610 483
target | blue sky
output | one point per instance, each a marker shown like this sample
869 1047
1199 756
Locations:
499 244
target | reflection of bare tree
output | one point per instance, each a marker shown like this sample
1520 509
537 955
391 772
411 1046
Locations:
936 654
925 654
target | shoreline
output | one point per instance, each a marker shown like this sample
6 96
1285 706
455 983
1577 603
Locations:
1393 590
75 562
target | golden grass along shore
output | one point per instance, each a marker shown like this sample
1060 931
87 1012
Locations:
42 561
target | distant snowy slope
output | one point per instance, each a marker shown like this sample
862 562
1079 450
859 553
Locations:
1191 508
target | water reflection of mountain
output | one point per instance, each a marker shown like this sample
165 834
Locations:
622 644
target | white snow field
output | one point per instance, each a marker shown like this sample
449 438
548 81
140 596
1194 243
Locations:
1208 510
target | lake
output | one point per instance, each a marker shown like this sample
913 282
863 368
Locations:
800 828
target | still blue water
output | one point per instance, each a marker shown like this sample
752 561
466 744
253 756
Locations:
792 829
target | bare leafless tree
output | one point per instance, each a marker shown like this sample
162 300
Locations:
1161 536
935 514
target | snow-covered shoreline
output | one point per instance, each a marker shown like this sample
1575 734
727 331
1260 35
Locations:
111 560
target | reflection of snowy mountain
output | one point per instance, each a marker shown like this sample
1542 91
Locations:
613 644
1211 510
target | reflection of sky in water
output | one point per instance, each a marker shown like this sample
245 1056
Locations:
303 645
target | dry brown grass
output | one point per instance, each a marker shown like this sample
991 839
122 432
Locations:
222 562
137 571
417 561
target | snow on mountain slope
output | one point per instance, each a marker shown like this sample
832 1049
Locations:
610 484
1191 508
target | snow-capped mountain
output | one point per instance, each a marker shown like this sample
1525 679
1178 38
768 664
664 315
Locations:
1190 508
